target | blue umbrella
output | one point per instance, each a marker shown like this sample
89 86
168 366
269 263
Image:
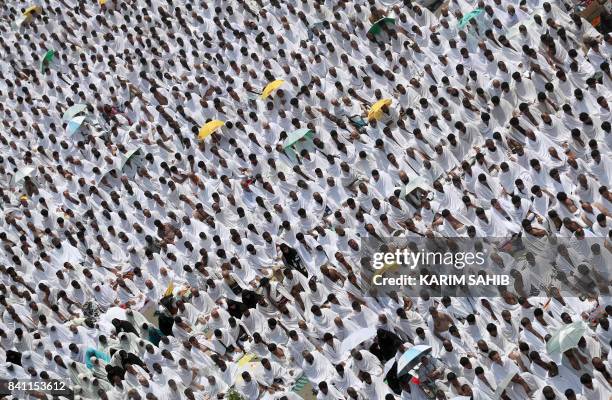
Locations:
411 358
76 109
74 124
466 19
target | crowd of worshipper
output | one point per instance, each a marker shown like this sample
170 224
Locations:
185 188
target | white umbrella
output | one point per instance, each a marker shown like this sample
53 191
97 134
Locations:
73 111
131 156
388 365
415 182
105 321
20 21
21 174
356 338
501 386
566 337
112 313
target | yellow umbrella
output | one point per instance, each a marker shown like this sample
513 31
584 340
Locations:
169 289
272 86
30 10
376 111
101 2
208 128
247 358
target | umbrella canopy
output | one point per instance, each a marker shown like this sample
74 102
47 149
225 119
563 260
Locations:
47 58
503 384
388 366
378 25
566 337
250 363
30 10
208 128
169 289
75 124
21 20
376 112
415 182
114 312
296 136
105 320
356 338
247 358
131 156
21 174
71 112
294 144
466 18
270 87
411 358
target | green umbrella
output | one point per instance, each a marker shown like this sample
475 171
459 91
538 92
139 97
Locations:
47 58
378 25
292 144
466 18
566 337
297 135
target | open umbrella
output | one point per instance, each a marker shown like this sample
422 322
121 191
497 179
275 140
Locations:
105 320
270 87
247 358
297 135
388 366
47 58
566 337
131 156
30 10
21 20
169 289
71 112
469 16
75 124
295 142
356 338
503 384
415 182
411 358
249 362
378 25
114 312
376 112
208 128
21 174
